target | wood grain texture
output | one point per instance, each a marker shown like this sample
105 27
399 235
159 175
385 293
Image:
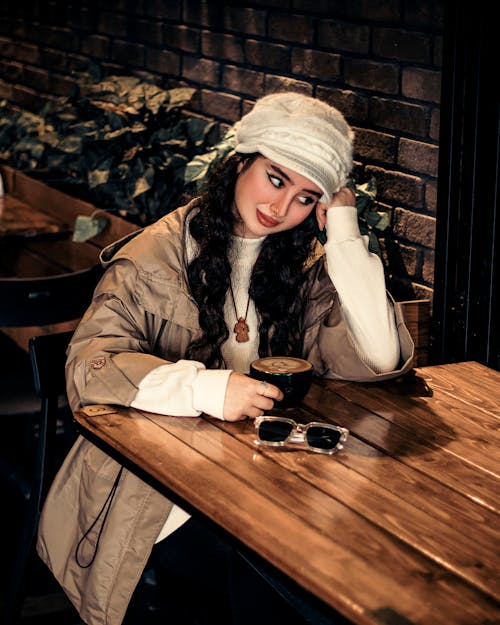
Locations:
401 526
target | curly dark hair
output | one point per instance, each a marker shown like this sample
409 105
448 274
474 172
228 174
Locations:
276 281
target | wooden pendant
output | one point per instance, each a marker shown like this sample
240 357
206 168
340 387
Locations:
241 331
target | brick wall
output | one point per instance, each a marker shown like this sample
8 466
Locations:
379 62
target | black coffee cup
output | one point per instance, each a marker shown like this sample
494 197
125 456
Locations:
292 375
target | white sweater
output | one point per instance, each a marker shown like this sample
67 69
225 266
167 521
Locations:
187 388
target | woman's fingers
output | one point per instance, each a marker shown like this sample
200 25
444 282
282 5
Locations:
246 397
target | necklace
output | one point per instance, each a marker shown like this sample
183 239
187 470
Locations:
241 327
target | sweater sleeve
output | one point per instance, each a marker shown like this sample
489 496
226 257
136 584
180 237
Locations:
184 388
358 277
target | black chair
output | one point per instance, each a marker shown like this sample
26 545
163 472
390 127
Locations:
48 356
29 412
48 299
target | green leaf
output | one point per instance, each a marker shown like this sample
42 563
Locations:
97 177
70 144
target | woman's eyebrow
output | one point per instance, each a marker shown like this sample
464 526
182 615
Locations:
288 179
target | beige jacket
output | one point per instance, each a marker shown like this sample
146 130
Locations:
141 315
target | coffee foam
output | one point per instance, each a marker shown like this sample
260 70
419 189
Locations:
281 364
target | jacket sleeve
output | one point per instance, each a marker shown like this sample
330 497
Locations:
328 343
111 349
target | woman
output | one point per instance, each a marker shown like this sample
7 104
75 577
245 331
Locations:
184 307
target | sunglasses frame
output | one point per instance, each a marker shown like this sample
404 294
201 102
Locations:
301 429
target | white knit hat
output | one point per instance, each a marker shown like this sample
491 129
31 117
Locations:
302 133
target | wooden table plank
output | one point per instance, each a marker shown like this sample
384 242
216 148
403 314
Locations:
364 583
352 407
471 383
437 539
20 219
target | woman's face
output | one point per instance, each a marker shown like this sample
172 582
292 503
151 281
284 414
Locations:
271 198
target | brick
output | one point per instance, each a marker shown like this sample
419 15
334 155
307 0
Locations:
128 6
274 84
273 56
224 47
243 20
279 4
414 227
97 46
428 267
81 18
181 37
400 116
431 197
77 62
62 85
288 27
145 31
370 11
417 156
19 29
7 47
221 105
8 26
352 104
315 64
204 13
36 78
62 38
375 146
26 53
50 58
166 9
244 81
27 98
402 45
404 260
435 124
11 71
6 90
344 36
424 14
422 84
395 187
316 7
127 53
201 70
373 75
162 61
112 24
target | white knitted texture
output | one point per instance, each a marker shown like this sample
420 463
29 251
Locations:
303 134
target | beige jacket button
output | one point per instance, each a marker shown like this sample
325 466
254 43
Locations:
98 363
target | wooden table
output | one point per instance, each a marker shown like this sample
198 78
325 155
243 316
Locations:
400 527
36 227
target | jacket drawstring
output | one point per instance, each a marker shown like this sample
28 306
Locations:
105 508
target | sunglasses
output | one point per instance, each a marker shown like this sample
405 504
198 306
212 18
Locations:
322 438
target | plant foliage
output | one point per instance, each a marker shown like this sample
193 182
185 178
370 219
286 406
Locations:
121 143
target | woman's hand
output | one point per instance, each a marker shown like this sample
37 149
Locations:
246 397
343 197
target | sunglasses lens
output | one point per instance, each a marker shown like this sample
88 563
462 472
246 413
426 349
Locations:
274 431
323 437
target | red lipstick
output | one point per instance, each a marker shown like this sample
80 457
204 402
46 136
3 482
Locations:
267 221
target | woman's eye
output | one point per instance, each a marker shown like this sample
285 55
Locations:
306 200
277 182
